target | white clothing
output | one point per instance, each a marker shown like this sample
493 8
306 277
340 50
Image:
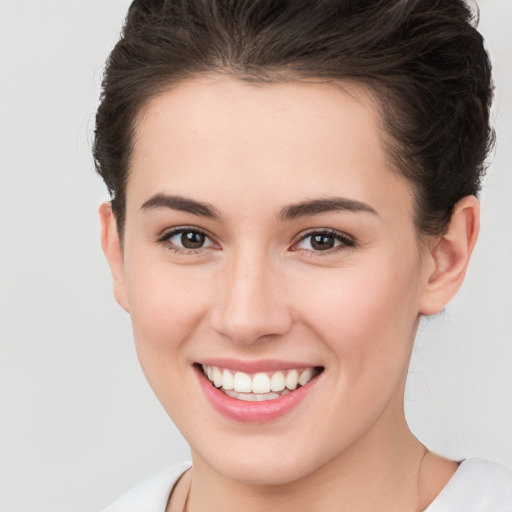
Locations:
478 485
151 495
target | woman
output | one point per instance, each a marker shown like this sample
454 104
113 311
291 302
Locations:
293 187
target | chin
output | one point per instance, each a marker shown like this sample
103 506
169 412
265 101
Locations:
269 472
263 465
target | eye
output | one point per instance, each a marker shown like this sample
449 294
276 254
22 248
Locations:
187 240
323 241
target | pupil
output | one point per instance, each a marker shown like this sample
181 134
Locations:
322 242
192 240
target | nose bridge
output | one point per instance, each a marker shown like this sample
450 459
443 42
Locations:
251 304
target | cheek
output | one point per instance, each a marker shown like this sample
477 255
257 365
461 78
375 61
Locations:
367 315
366 319
167 306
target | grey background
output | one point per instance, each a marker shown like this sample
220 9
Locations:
78 423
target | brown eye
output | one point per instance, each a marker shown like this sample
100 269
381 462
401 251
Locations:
192 239
322 242
187 240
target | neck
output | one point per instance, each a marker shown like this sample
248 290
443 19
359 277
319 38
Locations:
370 475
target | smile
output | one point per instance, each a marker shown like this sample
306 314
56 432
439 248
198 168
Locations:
260 386
265 391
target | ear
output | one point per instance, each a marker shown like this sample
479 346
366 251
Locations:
448 257
113 251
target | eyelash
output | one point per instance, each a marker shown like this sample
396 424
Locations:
345 241
166 239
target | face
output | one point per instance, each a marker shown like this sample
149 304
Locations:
269 244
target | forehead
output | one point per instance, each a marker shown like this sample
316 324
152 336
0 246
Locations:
221 136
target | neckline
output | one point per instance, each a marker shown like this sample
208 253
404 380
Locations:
451 485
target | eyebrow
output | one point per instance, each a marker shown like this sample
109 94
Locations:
182 204
290 212
318 206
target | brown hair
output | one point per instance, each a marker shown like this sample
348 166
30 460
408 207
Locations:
423 60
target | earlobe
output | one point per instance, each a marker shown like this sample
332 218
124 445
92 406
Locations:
113 251
449 256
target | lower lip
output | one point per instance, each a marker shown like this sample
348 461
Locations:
252 412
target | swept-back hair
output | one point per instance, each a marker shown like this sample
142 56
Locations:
422 60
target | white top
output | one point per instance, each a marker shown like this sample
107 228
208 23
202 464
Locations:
477 486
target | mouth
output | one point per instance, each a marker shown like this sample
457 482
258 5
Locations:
259 386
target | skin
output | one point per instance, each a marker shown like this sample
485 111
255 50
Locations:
259 290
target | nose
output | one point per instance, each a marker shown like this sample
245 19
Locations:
251 304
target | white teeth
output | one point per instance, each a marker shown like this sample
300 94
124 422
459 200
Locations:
217 377
305 376
242 383
260 386
252 397
261 383
292 379
277 382
228 380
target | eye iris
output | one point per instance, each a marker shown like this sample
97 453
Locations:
192 240
322 242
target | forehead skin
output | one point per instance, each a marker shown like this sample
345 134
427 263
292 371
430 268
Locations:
235 131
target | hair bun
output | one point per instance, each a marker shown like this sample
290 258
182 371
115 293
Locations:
140 10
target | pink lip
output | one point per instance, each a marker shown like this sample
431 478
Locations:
252 412
263 365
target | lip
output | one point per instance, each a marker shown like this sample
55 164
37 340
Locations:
253 412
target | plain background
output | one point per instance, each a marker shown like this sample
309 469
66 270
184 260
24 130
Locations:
78 423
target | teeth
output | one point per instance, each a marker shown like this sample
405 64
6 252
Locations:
217 377
252 397
292 379
305 376
260 386
228 380
261 383
242 383
277 382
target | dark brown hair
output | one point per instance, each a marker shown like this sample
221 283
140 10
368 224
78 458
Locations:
422 60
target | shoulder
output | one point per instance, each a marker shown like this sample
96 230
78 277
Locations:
151 495
477 486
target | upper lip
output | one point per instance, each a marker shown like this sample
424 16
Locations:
255 366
